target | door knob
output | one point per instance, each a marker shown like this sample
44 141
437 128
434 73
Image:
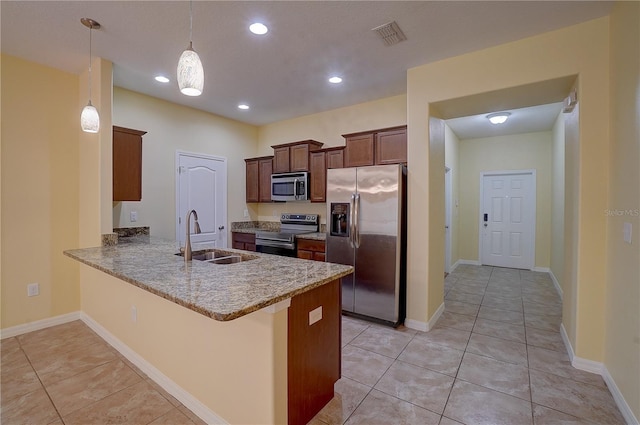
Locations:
221 228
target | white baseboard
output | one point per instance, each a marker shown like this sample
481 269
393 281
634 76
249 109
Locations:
416 325
454 266
626 411
600 369
425 326
184 397
39 324
541 269
471 262
557 285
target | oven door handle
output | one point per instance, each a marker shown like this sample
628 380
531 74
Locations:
274 244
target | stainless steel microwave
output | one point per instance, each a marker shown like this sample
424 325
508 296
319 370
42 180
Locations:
290 186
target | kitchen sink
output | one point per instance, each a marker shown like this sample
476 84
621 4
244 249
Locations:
217 256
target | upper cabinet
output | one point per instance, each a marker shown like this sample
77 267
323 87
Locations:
127 164
319 162
258 179
293 157
376 147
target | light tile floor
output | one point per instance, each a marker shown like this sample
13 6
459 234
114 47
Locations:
495 357
66 374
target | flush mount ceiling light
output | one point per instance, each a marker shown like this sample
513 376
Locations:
258 28
335 80
89 118
190 71
243 106
161 79
498 117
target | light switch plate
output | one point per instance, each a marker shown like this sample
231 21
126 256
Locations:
315 315
33 289
627 231
133 216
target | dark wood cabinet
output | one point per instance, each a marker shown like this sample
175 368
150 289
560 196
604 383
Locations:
313 350
293 157
245 241
127 164
335 157
310 249
376 147
317 176
358 151
258 179
391 147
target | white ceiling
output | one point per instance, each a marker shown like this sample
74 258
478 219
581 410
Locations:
522 120
283 74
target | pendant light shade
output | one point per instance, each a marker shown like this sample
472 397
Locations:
89 118
190 70
190 73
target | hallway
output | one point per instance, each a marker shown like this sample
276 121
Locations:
495 356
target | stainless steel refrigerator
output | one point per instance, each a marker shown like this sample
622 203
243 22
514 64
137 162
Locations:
366 210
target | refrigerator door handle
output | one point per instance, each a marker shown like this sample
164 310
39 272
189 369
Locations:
356 225
351 221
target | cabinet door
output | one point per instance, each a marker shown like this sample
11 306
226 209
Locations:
265 169
358 151
391 147
127 164
335 158
317 177
281 160
305 255
318 256
299 158
253 181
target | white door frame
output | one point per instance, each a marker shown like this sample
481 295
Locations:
483 174
180 226
447 218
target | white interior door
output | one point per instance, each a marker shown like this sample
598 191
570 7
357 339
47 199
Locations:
507 219
201 185
447 220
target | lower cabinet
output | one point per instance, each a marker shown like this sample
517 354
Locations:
314 328
309 249
244 241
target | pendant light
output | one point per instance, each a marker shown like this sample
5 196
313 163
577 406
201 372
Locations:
89 119
190 71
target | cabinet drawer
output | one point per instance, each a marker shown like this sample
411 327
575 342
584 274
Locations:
311 245
243 237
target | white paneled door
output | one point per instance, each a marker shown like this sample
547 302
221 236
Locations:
507 219
201 185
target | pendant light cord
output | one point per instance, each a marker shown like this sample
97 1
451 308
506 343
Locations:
90 31
190 22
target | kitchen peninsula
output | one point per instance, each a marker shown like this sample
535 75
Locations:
257 341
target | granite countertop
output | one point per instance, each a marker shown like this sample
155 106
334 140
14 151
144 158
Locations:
222 292
317 236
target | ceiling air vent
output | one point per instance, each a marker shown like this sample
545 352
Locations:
390 33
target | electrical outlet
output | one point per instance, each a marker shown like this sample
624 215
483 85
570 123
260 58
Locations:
246 213
315 315
134 314
627 231
133 216
33 289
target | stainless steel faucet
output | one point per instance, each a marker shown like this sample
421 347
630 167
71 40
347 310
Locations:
188 254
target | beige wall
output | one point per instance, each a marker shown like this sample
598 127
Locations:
556 255
172 127
577 50
40 134
622 322
513 152
452 160
326 127
238 369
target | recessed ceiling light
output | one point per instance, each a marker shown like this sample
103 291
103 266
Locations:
162 79
498 117
335 80
243 106
258 28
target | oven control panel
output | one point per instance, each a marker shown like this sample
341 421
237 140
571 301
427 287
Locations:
299 218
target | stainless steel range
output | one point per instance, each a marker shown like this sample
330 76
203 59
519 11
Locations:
284 241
